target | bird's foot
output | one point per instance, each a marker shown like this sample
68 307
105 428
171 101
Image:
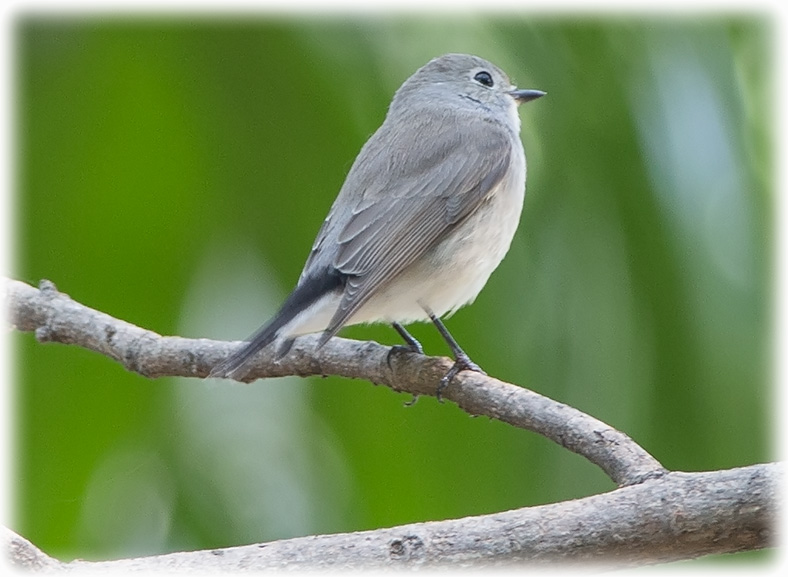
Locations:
461 363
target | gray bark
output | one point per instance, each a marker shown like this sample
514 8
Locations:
55 317
654 515
678 516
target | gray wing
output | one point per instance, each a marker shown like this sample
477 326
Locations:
406 195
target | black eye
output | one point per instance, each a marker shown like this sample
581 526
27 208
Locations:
483 78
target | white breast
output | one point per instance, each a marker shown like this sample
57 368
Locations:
455 271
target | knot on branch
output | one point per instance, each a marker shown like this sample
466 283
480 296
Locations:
46 333
407 548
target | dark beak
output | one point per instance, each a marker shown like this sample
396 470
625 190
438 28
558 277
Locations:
526 95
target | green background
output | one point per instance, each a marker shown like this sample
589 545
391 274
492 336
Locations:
173 172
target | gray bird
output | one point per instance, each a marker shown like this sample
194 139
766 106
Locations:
427 212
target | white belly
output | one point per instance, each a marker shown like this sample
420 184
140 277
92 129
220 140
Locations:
449 276
455 271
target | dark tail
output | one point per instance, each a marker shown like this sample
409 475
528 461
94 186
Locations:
306 293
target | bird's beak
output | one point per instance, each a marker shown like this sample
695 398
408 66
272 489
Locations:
525 95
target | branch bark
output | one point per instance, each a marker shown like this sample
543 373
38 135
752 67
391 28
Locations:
678 516
654 516
55 317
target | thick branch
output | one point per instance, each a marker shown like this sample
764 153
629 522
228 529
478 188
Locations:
678 516
655 516
55 317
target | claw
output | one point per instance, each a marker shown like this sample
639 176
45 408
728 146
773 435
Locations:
413 345
411 402
461 363
397 349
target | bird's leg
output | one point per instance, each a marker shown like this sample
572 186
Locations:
462 362
413 346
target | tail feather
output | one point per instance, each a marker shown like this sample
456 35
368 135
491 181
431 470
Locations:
305 294
236 365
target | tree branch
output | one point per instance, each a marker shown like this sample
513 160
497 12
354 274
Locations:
678 516
654 516
55 317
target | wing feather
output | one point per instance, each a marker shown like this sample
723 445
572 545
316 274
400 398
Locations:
413 199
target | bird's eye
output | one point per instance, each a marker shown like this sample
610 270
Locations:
483 78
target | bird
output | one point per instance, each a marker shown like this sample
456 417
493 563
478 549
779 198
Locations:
426 213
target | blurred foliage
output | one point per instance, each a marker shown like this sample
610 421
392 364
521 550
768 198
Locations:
173 172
